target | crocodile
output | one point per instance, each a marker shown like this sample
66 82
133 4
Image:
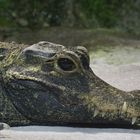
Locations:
50 84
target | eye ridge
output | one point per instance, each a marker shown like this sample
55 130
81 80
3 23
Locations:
66 64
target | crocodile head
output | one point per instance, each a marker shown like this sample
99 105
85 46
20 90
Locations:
46 81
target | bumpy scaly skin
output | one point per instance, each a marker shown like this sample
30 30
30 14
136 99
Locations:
8 113
50 84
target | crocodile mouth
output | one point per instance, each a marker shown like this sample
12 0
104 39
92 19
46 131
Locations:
34 98
39 100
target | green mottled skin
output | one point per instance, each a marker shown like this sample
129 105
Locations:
35 90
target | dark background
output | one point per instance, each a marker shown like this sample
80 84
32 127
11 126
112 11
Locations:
68 21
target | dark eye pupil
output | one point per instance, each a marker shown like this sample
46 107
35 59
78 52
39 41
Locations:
66 64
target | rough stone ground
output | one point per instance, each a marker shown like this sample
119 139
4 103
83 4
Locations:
120 67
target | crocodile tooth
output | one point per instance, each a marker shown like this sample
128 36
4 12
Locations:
124 108
134 120
103 114
96 113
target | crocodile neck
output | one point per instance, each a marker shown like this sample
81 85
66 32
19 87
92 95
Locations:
8 113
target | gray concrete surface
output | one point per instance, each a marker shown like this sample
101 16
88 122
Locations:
119 66
67 133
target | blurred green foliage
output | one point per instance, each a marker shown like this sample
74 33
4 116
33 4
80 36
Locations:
32 13
104 11
36 14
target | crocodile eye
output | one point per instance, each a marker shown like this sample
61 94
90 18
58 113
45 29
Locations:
66 64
